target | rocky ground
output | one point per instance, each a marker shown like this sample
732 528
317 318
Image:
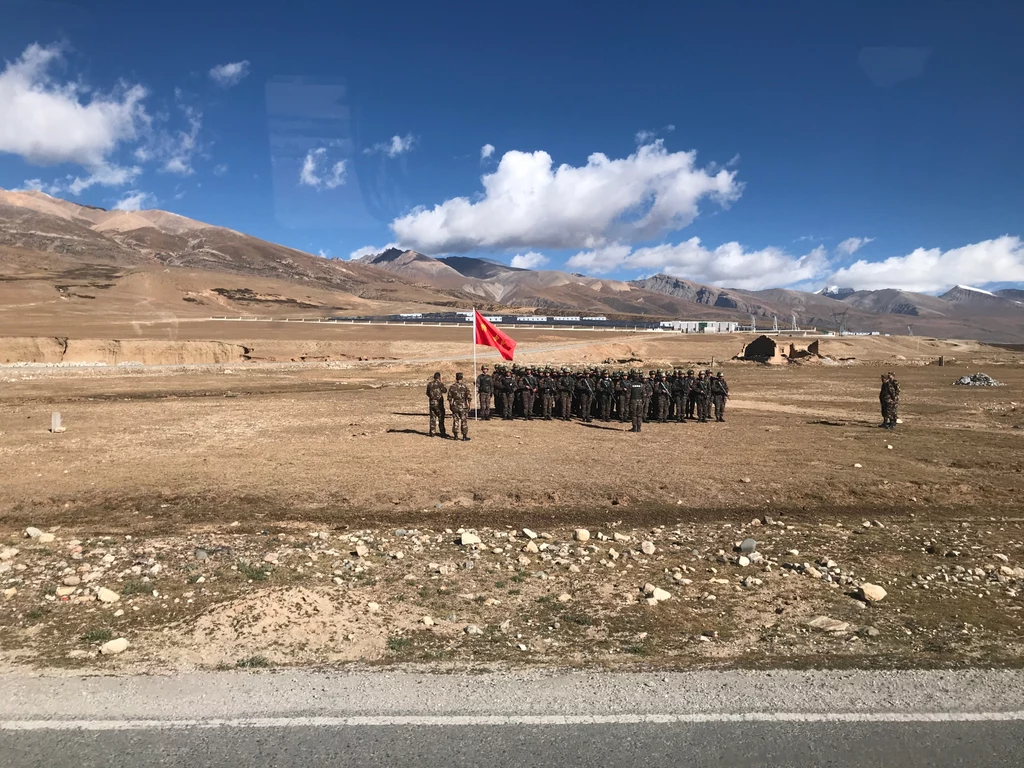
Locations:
762 592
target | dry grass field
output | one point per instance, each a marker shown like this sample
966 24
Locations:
280 470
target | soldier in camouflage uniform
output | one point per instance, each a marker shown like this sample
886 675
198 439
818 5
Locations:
436 391
691 394
508 393
678 386
622 397
719 394
566 386
484 388
528 393
703 398
605 394
889 398
547 387
662 398
636 400
459 400
585 395
648 383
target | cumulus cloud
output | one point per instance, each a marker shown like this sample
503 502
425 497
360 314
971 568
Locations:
103 175
180 146
851 245
46 122
227 75
331 177
220 170
529 260
135 201
370 250
730 264
932 269
486 151
398 145
528 203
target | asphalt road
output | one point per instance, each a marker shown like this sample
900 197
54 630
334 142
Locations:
310 719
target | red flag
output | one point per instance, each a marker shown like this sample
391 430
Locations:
490 336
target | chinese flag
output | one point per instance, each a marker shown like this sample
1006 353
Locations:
490 336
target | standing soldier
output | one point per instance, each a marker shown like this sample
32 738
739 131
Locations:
605 393
585 393
435 395
566 385
662 396
622 394
702 397
459 400
719 394
648 393
528 392
547 393
889 398
509 385
678 388
484 388
691 395
636 400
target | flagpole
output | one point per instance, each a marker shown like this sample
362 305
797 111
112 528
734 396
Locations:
476 411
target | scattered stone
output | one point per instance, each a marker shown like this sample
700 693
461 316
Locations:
523 561
827 624
65 591
32 533
745 480
620 537
531 547
868 632
748 546
871 593
10 592
72 581
857 466
119 645
202 554
468 539
473 629
565 597
362 550
105 595
648 548
373 607
581 535
743 561
271 558
7 553
46 538
529 534
977 380
793 552
1001 558
427 621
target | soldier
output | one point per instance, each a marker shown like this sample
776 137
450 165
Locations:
703 398
566 386
484 388
622 397
662 397
547 387
719 394
648 393
459 400
528 393
636 400
585 393
678 388
435 395
889 398
605 393
691 395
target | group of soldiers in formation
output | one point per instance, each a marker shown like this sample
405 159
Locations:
589 394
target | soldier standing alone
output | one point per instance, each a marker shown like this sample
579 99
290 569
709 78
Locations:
484 388
435 394
459 401
889 398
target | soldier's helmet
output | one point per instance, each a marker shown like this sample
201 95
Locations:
437 375
483 369
458 376
721 375
690 372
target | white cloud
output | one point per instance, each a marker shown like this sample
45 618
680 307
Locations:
528 203
103 175
727 265
486 151
46 122
135 201
932 269
370 250
398 145
851 245
323 254
226 75
529 260
180 147
220 170
311 176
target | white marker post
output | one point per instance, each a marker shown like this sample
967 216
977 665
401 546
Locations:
55 425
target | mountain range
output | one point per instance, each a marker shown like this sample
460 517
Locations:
65 266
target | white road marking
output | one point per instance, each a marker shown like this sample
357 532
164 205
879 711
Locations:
506 720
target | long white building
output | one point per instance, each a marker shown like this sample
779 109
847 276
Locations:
701 326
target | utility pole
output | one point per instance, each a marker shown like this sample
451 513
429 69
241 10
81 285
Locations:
753 324
775 325
794 322
840 320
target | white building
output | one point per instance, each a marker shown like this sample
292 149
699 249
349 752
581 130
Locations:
701 326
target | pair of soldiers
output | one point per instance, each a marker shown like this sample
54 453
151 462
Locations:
459 401
889 399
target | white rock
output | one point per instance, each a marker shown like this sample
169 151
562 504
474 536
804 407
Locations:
119 613
65 591
7 553
105 595
473 629
581 534
826 624
114 646
271 558
32 533
531 546
660 594
565 597
649 589
889 447
1001 558
793 552
743 561
373 607
362 550
529 534
10 592
857 466
72 581
46 538
523 560
620 537
648 548
427 621
872 593
469 539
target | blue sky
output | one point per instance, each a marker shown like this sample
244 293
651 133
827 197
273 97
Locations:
744 144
